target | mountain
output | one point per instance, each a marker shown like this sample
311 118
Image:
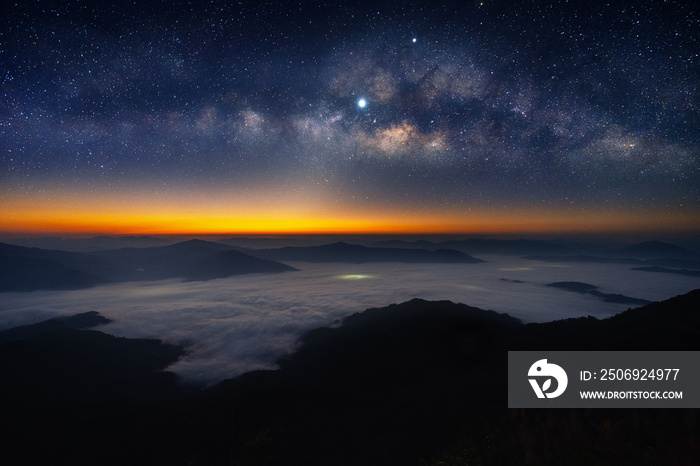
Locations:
398 243
425 383
191 260
586 288
34 331
421 382
650 265
391 345
98 243
666 253
69 396
353 253
671 325
584 258
247 243
656 250
29 269
485 246
510 247
690 273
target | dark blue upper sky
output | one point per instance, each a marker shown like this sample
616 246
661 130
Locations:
464 105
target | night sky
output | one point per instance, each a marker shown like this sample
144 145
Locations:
400 116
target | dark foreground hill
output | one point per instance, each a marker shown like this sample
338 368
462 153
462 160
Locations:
34 331
29 269
410 384
66 393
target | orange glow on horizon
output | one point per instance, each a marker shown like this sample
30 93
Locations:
139 222
138 213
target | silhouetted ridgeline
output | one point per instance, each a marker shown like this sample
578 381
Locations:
98 243
657 250
650 263
353 253
586 288
649 253
690 273
69 395
413 383
485 246
191 260
34 331
29 269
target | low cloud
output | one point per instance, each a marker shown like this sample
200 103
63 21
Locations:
234 325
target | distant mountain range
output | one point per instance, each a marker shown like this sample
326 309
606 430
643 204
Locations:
484 246
648 264
353 253
690 273
586 288
656 250
522 247
28 269
98 243
474 246
421 382
190 260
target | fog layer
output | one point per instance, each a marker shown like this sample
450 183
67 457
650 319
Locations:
246 322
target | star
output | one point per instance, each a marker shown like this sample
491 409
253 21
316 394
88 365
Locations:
486 102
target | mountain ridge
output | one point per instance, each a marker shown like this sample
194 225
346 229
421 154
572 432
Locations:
409 383
355 253
30 269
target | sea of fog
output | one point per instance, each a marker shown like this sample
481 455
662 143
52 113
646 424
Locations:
246 322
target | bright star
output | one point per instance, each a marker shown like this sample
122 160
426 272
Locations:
362 103
414 40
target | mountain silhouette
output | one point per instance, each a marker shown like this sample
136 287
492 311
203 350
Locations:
98 243
191 260
657 250
421 382
586 288
558 251
353 253
29 269
690 273
662 263
32 332
424 383
68 396
484 246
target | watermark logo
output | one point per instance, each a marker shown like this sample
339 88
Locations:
545 372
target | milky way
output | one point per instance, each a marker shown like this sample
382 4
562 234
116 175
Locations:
373 107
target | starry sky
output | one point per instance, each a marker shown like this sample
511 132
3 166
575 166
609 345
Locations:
382 116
